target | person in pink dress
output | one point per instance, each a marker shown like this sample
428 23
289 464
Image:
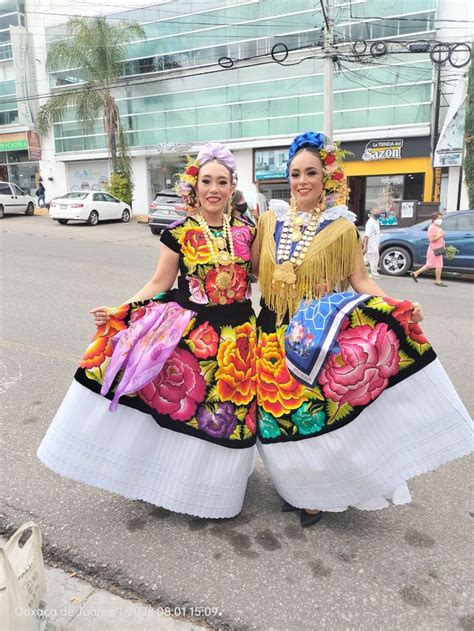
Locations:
433 261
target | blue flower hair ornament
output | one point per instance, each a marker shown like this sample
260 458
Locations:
309 139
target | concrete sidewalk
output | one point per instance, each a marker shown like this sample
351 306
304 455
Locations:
73 604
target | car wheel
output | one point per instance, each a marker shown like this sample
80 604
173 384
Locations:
155 230
93 219
63 222
395 261
126 215
30 209
2 211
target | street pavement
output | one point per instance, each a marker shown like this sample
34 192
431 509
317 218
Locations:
405 567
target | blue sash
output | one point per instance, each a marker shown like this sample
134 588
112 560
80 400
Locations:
312 332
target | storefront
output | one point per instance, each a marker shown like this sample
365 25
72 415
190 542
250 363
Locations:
389 174
19 160
270 172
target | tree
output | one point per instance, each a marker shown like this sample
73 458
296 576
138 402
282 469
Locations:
97 48
469 136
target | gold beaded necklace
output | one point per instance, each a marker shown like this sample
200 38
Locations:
222 259
294 231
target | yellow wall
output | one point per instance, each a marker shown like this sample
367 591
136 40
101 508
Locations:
394 167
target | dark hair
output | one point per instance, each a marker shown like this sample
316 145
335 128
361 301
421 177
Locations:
238 198
436 215
312 150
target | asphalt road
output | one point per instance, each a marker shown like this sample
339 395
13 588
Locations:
400 568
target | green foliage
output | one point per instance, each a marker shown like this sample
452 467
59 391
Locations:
121 186
469 136
450 252
94 50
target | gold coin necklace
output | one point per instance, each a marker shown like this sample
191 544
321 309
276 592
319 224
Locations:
294 231
222 258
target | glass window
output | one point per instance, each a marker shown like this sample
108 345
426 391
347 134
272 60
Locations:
453 221
4 189
98 197
109 198
74 196
414 185
384 192
24 174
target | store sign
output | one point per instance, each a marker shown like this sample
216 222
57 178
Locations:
92 175
270 164
13 142
449 150
383 150
34 145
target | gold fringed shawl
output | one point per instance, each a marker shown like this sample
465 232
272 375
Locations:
330 260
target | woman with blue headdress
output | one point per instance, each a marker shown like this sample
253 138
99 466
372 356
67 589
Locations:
340 373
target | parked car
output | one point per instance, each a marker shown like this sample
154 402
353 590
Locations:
14 200
402 249
88 206
165 209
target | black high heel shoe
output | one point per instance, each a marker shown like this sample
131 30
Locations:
288 508
309 519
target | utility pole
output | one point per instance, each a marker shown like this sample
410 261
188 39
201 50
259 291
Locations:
328 12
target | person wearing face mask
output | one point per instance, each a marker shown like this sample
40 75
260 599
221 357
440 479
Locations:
241 208
371 244
436 242
163 406
352 400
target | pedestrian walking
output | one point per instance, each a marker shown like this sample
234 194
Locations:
352 400
371 244
163 406
435 251
41 195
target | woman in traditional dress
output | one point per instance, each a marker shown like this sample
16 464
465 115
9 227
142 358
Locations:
178 366
352 401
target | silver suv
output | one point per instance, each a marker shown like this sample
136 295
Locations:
165 209
14 200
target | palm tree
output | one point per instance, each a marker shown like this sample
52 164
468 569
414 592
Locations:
98 49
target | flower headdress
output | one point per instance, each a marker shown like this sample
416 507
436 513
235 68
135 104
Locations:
332 158
186 185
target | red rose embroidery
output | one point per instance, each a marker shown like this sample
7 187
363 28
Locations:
203 341
338 176
236 289
330 158
192 170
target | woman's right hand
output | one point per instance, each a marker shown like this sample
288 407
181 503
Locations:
101 314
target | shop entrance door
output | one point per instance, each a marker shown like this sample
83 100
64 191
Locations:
357 198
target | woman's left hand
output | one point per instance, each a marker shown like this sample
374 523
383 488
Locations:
417 312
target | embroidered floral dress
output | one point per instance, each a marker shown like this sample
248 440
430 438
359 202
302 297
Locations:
380 408
185 440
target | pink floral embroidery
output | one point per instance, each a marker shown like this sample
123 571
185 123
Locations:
242 239
179 387
360 372
198 295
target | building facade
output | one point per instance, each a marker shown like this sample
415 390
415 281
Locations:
19 144
174 95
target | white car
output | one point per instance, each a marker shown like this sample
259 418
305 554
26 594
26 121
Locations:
14 200
88 206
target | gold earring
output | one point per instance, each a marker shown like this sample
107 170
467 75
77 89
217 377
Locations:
294 203
229 207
